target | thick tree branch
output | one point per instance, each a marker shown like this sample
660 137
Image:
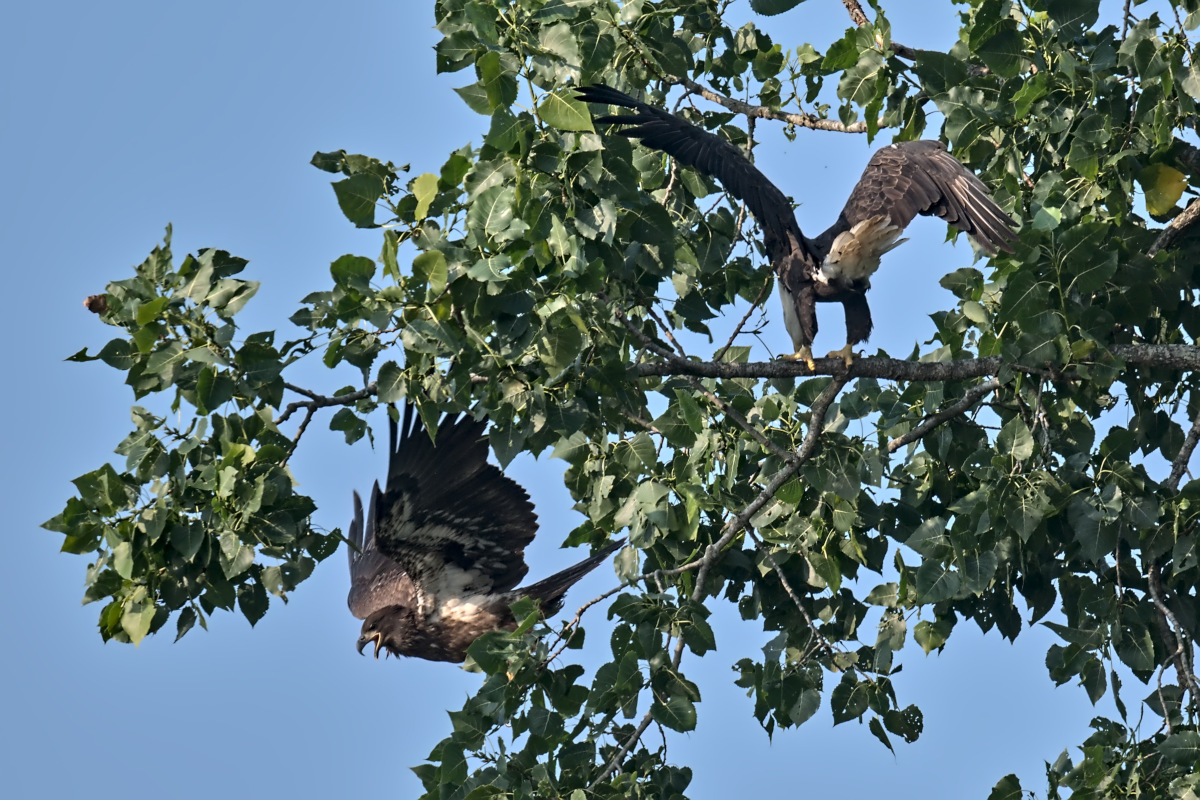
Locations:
973 396
1173 356
1176 228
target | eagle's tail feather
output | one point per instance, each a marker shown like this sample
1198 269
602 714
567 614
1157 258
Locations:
551 590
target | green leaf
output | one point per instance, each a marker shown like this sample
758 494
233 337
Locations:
187 619
357 196
564 112
1015 440
678 713
137 616
1073 16
122 560
353 272
1182 748
424 189
1003 52
930 635
1007 788
876 728
492 211
186 537
431 267
769 8
805 707
1163 186
390 383
936 582
103 490
253 601
848 699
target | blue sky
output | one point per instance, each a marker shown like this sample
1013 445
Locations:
121 118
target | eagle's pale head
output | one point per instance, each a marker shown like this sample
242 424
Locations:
389 629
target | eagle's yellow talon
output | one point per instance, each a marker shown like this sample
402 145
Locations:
803 354
846 354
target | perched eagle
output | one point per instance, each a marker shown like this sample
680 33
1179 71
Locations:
443 547
901 181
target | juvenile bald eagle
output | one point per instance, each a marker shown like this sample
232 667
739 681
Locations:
435 565
901 181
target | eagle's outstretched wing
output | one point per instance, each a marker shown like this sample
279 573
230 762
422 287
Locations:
452 522
376 581
905 179
709 153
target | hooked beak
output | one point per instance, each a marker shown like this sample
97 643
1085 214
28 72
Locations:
376 637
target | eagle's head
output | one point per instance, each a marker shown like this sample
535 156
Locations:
388 628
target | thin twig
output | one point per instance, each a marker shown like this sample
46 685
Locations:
787 587
316 401
666 331
1181 658
743 423
762 293
973 396
763 112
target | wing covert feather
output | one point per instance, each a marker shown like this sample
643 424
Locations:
910 178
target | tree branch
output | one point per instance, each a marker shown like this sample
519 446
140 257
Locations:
1173 356
973 396
1179 465
1176 228
316 401
808 446
1187 678
860 19
762 112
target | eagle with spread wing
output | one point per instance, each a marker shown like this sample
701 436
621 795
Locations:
901 181
442 549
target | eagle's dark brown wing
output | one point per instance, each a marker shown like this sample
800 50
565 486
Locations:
712 155
455 524
905 179
376 581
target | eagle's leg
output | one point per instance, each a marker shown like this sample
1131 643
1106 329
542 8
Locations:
858 326
800 319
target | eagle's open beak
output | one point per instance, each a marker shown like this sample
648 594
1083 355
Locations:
376 637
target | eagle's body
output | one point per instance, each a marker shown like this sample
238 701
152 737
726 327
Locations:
436 562
901 181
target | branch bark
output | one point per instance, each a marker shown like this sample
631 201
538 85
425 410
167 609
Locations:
973 396
316 401
762 112
1176 228
1173 356
1179 465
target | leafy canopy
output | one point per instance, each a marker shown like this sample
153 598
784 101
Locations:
568 284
